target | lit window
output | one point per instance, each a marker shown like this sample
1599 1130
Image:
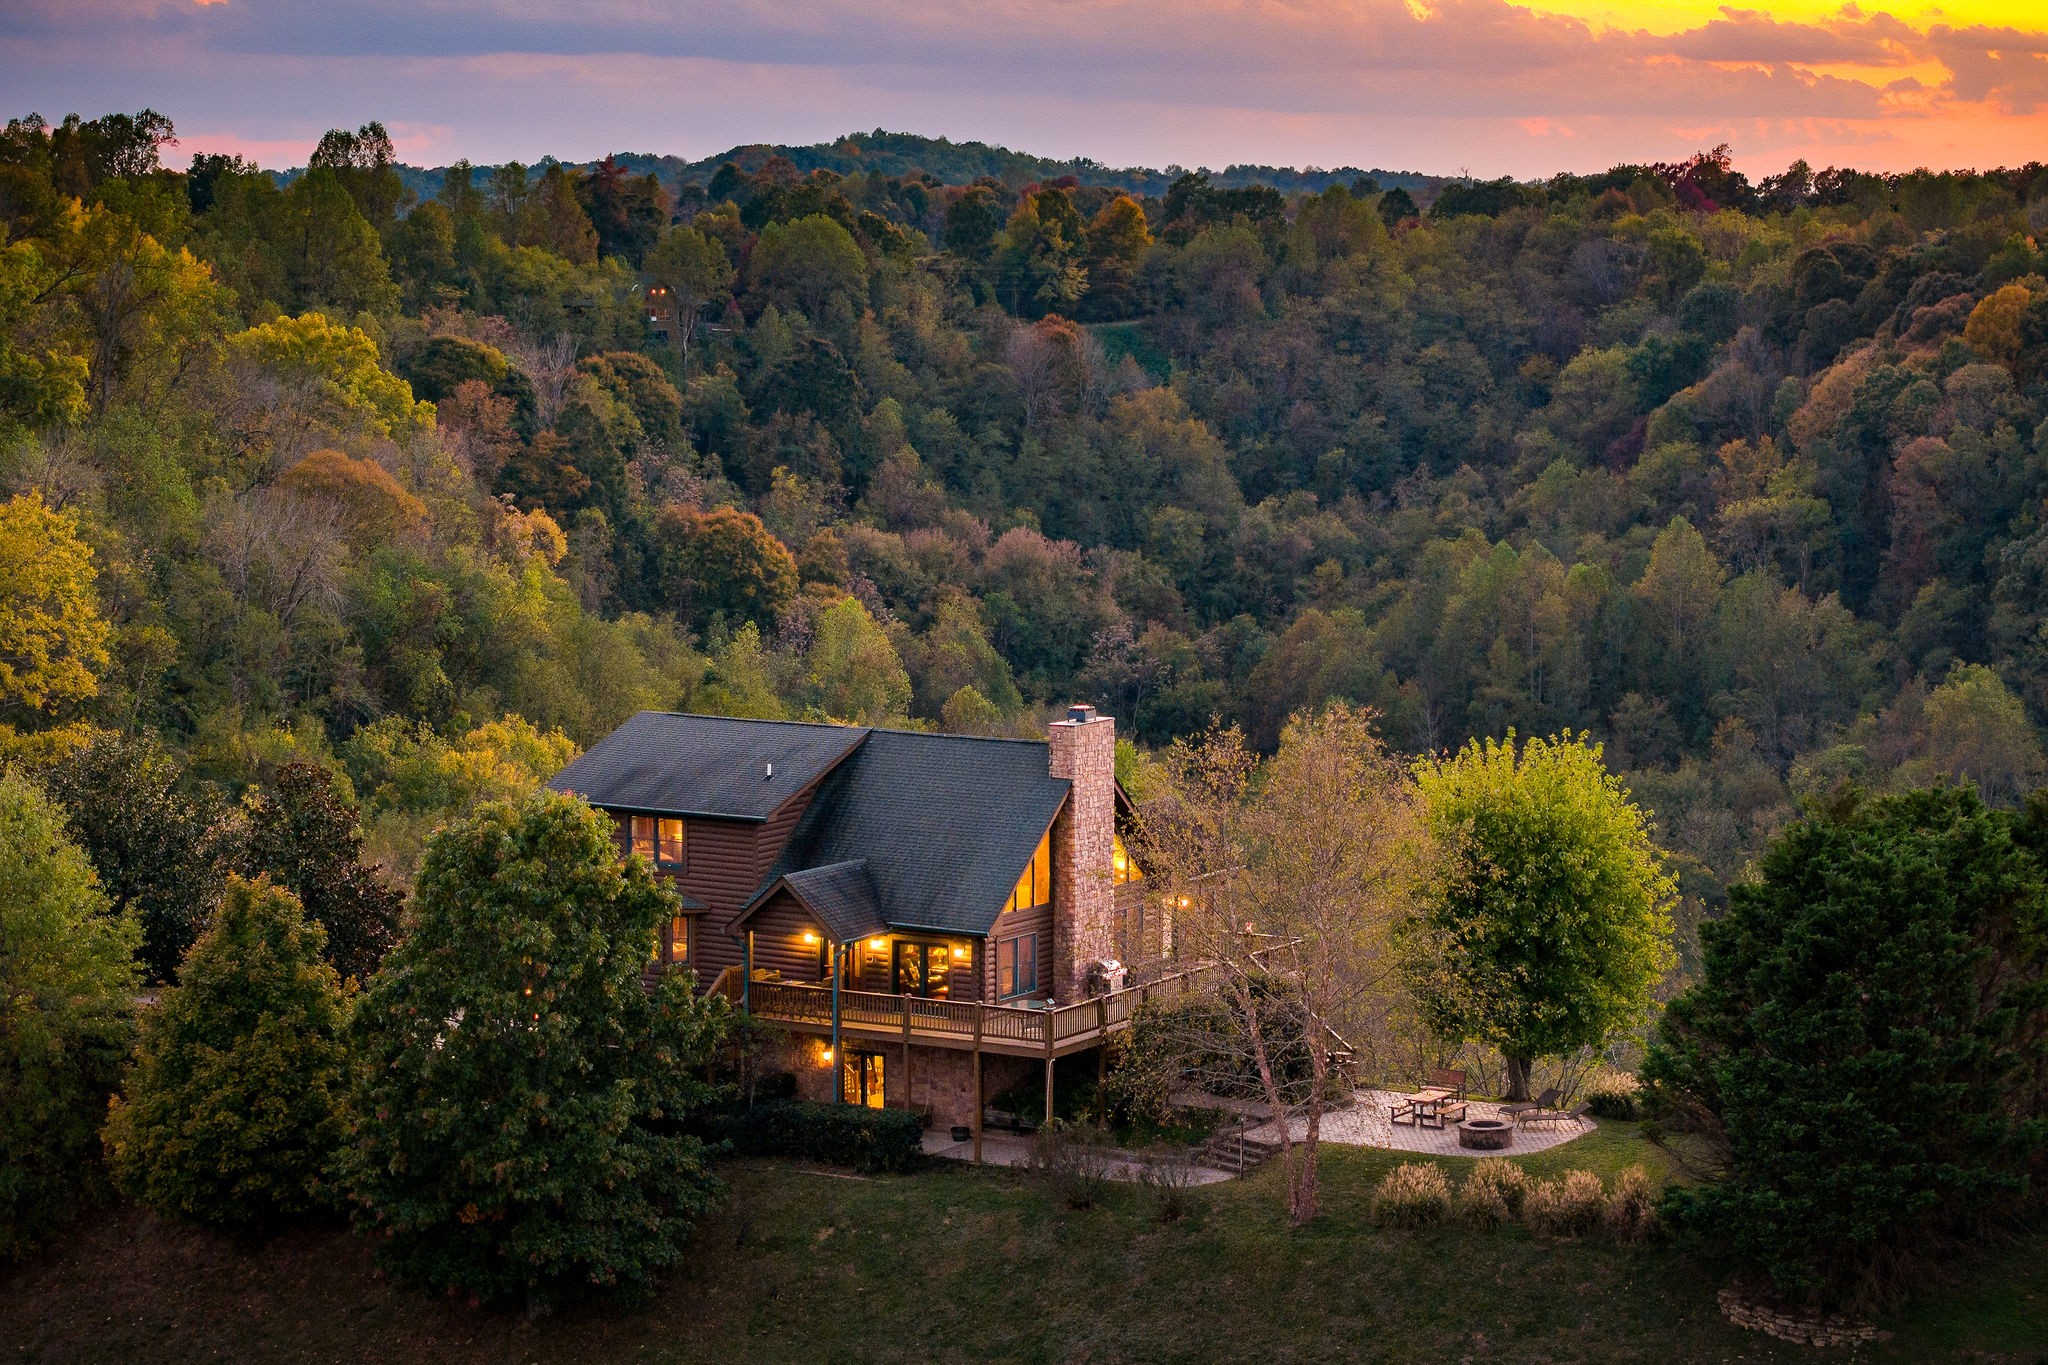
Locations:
679 939
668 847
643 836
1017 965
1122 869
1035 886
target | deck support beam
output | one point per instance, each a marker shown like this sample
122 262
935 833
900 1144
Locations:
979 1011
838 1062
908 1102
1102 1059
1050 1044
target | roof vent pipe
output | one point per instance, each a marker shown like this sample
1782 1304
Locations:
769 776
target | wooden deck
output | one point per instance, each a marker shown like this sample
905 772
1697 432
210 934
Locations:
967 1026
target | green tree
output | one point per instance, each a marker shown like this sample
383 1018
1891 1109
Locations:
694 270
305 832
231 1114
972 222
445 363
813 265
1545 926
330 254
1978 731
517 1122
1117 238
53 642
161 843
721 562
67 989
1866 1055
851 670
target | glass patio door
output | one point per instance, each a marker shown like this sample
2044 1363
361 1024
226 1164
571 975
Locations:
863 1079
922 969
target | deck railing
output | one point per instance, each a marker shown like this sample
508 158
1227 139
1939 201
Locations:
957 1023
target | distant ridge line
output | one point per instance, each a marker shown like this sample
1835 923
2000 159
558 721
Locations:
953 163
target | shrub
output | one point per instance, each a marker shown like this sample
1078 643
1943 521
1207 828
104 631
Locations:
1632 1206
519 1122
1074 1160
231 1113
842 1134
1862 1057
1412 1196
67 991
1493 1193
1615 1096
1169 1172
1570 1206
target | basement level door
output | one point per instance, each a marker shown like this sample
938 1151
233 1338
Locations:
863 1078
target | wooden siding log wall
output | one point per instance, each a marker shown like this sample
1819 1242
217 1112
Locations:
779 927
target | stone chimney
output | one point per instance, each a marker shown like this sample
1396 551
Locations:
1084 902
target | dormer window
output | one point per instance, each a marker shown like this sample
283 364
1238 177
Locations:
659 840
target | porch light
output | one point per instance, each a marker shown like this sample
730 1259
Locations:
810 937
877 944
825 1057
961 952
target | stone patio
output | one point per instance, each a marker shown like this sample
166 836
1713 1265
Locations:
1365 1123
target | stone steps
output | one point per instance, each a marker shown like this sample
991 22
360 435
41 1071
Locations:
1234 1152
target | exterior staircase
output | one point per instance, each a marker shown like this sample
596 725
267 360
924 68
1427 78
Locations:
1232 1152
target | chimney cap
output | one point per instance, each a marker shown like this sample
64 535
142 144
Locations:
1081 713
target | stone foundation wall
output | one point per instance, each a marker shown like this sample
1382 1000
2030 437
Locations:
1804 1329
941 1079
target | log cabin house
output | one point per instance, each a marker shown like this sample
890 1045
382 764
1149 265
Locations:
926 918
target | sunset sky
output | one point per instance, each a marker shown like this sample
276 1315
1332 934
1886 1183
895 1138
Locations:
1436 85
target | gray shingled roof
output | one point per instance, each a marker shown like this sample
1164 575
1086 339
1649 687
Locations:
665 763
945 824
842 896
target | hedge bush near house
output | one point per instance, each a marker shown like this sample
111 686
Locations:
842 1134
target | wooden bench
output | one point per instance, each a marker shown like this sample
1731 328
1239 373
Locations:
1446 1090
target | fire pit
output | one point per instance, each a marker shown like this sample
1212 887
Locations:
1486 1135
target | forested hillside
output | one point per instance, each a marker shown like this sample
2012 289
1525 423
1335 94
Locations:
1747 480
954 163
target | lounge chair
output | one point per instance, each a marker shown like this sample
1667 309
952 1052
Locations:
1573 1114
1521 1108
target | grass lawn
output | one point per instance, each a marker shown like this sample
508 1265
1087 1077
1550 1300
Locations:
960 1264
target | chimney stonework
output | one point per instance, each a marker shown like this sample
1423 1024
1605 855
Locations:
1084 900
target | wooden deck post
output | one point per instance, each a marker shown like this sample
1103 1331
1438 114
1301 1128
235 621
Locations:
747 972
908 1103
979 1010
1050 1043
1102 1059
838 1062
